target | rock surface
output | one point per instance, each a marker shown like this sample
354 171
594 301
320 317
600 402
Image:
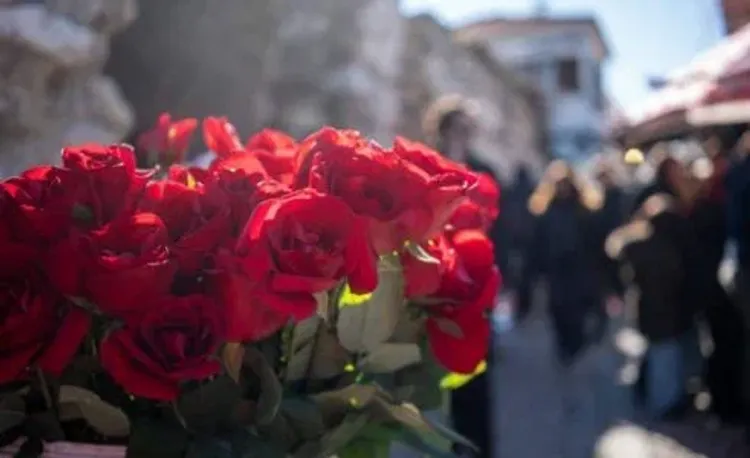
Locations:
52 91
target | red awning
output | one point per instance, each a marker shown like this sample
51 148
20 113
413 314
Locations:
727 101
729 58
664 113
714 88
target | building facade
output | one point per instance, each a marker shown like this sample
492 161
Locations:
736 14
563 58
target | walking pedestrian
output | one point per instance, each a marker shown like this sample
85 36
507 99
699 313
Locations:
660 250
565 255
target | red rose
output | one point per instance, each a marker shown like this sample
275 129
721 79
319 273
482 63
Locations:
423 278
192 177
469 215
400 201
195 221
16 255
481 211
303 243
458 328
38 327
116 267
277 152
461 342
168 140
220 136
239 160
270 140
326 139
427 159
248 318
103 181
243 192
39 208
487 195
175 341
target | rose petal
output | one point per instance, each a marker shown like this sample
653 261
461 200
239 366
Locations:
63 347
127 373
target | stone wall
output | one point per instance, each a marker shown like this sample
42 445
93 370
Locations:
510 122
291 64
52 91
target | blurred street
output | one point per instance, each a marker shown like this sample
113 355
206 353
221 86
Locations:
544 412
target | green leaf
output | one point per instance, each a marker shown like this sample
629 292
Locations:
210 406
410 418
367 326
209 447
157 438
390 357
12 411
422 381
420 444
332 442
363 448
420 254
271 390
304 416
78 403
336 403
316 353
44 425
246 444
374 441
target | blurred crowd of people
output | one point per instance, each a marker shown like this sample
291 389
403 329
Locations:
645 258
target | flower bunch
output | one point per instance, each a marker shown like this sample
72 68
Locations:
183 303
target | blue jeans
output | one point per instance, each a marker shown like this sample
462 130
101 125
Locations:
670 364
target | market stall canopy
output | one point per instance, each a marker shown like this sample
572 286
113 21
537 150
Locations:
664 113
713 89
729 58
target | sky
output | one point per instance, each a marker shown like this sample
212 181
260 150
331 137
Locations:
647 38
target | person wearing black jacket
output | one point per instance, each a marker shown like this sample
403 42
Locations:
564 253
662 254
518 223
609 217
471 404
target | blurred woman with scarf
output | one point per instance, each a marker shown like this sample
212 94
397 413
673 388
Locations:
565 253
451 125
666 268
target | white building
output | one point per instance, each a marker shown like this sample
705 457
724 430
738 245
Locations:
563 58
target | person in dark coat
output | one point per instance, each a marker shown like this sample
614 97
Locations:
610 216
738 229
519 224
708 215
565 255
662 255
471 404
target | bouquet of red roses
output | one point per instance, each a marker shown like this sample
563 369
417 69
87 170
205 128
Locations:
293 299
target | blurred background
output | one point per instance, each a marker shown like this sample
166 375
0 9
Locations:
586 81
550 78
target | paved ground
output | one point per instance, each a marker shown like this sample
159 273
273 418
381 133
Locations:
544 412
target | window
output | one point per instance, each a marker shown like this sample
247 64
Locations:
567 75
